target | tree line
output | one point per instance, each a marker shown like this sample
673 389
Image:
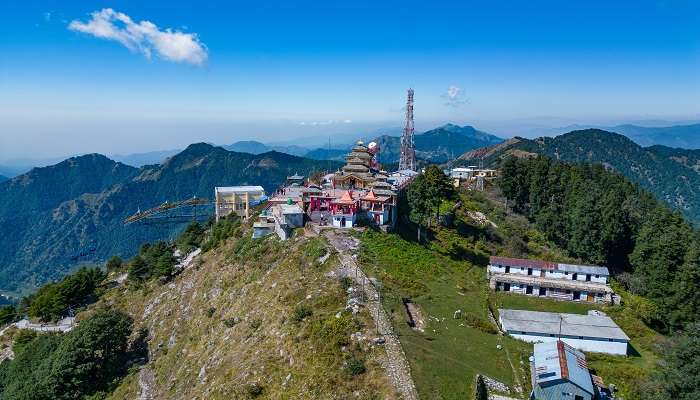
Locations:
601 217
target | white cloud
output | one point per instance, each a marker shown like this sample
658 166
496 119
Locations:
143 37
454 97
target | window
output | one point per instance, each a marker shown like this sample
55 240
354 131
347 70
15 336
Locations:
566 273
610 340
580 337
523 333
597 276
551 335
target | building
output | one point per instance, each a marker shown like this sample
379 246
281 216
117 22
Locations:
595 332
356 173
344 210
237 200
572 282
280 219
559 372
466 176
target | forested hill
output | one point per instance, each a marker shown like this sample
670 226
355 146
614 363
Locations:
602 218
672 175
50 215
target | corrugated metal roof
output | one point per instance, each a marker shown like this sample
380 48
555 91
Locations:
583 269
557 360
549 265
238 189
546 323
521 262
291 209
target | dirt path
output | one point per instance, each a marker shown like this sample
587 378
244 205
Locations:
397 368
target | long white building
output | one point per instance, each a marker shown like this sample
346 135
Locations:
549 279
595 332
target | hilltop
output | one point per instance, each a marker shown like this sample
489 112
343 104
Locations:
76 207
264 318
672 175
677 136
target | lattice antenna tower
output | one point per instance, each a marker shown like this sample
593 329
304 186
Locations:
408 146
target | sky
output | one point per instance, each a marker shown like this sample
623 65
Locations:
120 77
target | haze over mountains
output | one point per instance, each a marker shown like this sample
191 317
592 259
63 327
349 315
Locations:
670 174
679 136
52 214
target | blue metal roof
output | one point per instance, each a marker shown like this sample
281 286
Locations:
555 361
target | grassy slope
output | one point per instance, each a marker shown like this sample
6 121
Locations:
194 354
449 274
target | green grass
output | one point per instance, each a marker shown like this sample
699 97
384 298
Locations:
446 357
448 273
520 302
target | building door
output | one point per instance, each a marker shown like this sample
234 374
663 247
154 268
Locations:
542 273
588 277
590 297
507 269
528 290
506 287
529 271
577 295
574 276
543 291
342 222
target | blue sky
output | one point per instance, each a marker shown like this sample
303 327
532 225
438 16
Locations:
276 71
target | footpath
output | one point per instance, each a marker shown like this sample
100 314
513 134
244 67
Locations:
397 367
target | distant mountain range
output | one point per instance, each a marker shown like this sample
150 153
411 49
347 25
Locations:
149 158
672 175
51 214
678 136
255 147
437 145
3 178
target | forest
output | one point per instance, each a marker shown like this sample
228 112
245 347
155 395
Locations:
602 218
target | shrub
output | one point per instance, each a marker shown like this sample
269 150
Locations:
255 323
254 390
24 337
231 322
479 323
355 366
336 330
52 301
7 314
211 311
300 312
115 263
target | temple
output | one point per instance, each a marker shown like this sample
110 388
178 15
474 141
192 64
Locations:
359 193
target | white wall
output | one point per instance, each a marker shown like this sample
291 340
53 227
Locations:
596 346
